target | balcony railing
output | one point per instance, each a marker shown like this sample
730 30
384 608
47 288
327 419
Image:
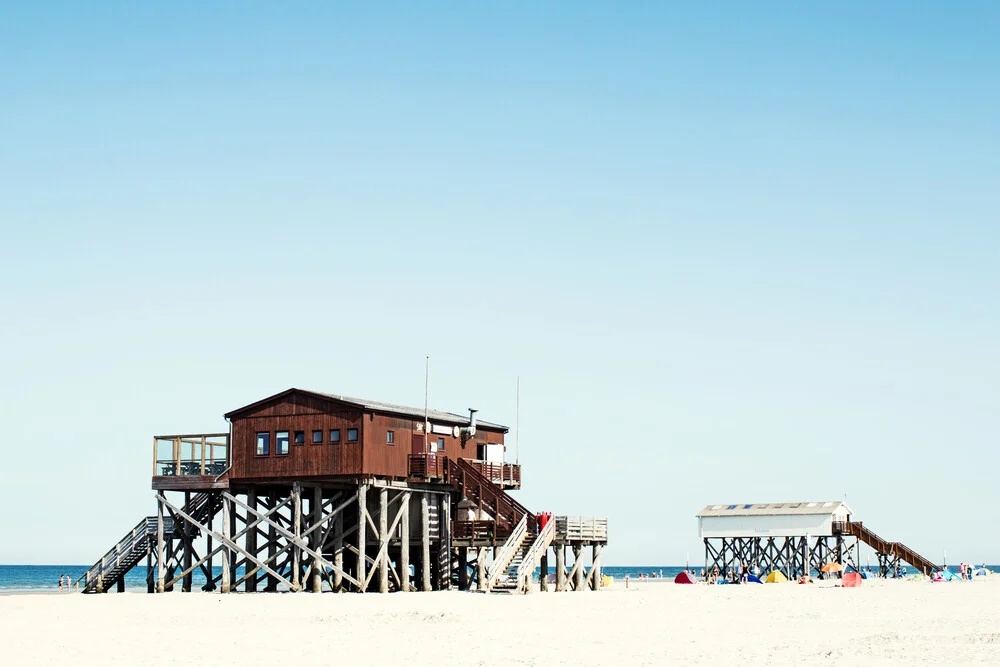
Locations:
581 529
506 475
428 466
190 455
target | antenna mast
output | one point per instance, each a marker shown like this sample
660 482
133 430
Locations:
517 422
427 389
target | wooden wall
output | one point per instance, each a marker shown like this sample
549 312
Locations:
297 413
381 458
371 455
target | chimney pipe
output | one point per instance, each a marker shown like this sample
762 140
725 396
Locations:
472 422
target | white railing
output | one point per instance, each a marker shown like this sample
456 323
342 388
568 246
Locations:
535 553
507 552
581 529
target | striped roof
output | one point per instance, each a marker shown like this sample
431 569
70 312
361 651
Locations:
773 509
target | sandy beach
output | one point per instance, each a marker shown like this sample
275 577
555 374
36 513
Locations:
882 623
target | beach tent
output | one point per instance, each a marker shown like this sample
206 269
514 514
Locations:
981 572
948 575
685 577
776 577
754 579
851 580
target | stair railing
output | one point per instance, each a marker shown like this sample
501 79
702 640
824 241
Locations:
535 553
507 552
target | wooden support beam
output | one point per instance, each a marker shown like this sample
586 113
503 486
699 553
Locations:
482 555
362 537
233 545
316 582
226 536
595 567
161 572
463 568
444 541
404 539
272 542
543 576
186 546
338 553
251 542
383 538
297 531
425 543
560 550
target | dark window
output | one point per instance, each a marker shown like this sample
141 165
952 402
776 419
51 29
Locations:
263 444
317 437
389 436
335 435
300 437
281 442
440 444
352 435
731 507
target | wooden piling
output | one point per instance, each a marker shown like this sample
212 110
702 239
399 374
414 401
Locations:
543 576
383 539
404 539
362 534
560 550
316 582
425 543
227 535
161 571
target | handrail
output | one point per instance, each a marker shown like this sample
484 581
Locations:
505 505
534 554
507 551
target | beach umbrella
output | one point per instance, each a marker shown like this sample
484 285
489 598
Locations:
832 567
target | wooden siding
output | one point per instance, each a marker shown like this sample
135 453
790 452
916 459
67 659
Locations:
371 455
383 459
297 413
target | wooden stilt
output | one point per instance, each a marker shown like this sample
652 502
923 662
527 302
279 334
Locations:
595 567
150 573
578 567
444 540
297 531
161 571
463 568
227 535
383 539
316 581
425 544
272 543
560 550
543 575
186 546
362 534
482 555
338 553
210 584
251 542
404 540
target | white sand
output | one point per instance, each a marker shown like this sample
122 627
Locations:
897 623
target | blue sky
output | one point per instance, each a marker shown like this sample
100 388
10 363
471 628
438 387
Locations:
737 252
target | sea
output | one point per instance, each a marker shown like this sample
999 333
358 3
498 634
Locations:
45 578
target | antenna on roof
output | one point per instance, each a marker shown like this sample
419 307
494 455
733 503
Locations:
427 391
517 422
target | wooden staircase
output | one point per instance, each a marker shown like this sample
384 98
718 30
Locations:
517 575
884 547
479 489
137 544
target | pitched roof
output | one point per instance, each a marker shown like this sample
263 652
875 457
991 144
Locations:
773 509
381 406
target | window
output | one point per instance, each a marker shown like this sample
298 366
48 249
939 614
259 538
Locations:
746 507
440 444
300 437
352 435
263 444
389 437
335 435
281 442
317 437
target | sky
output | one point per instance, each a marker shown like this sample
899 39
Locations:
735 252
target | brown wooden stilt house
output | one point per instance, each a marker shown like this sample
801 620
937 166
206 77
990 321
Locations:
314 491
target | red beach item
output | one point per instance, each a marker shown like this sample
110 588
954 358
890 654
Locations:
851 580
